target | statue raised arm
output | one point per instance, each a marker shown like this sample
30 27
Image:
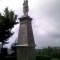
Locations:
25 7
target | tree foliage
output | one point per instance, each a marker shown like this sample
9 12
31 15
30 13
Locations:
52 53
7 22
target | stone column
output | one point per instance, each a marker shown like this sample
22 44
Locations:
26 44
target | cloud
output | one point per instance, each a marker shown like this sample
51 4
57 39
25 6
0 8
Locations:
46 16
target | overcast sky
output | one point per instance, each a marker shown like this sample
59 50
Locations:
46 20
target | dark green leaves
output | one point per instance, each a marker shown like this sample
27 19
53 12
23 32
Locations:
7 22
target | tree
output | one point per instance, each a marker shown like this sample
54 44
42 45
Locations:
7 22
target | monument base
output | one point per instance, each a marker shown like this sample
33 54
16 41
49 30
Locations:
26 44
26 53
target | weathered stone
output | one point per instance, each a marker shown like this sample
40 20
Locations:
26 44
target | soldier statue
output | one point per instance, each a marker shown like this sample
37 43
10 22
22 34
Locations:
25 7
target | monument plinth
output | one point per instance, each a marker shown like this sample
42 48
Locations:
26 44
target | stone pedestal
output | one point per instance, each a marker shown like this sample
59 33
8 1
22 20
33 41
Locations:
26 44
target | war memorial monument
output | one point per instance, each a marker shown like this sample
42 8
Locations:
25 45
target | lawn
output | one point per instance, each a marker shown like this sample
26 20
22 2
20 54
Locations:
54 59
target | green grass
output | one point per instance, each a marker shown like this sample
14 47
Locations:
54 59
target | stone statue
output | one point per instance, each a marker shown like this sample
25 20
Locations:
25 7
